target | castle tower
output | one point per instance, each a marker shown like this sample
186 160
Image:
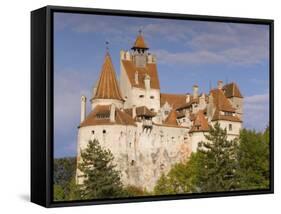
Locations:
140 54
139 82
107 89
235 97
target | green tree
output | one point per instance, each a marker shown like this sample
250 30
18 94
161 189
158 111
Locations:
217 165
64 179
180 179
101 179
132 191
253 157
59 194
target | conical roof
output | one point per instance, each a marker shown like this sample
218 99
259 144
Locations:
140 43
171 119
200 124
107 87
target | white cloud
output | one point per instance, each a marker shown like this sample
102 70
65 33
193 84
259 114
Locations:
69 86
256 111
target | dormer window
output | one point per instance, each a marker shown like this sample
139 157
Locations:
228 113
101 116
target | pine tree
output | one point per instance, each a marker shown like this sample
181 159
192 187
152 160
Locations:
101 179
216 167
253 157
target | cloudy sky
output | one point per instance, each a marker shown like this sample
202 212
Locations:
188 53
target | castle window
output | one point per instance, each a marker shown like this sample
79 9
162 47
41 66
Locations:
230 127
141 96
132 163
102 115
151 97
228 113
183 120
93 132
104 131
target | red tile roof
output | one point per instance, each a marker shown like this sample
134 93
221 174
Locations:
232 90
171 120
187 105
200 124
220 101
149 69
107 87
218 116
222 104
140 43
101 116
174 100
140 111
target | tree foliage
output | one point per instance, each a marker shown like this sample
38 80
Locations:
253 157
180 179
221 165
101 179
64 179
218 162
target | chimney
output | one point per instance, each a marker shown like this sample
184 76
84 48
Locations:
128 56
147 82
112 113
187 98
195 91
83 108
134 113
202 99
137 77
220 83
122 55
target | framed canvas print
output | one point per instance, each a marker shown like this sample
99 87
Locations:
138 106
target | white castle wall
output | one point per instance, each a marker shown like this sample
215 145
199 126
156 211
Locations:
142 155
231 134
196 138
150 99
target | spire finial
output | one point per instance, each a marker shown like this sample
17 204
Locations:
107 46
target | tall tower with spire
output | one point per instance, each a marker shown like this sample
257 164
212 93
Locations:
139 82
107 89
140 53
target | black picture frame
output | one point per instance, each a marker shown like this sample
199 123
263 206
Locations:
42 104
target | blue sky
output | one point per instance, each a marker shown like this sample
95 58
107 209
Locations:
188 53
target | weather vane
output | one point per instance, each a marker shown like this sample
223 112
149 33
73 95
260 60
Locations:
107 45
